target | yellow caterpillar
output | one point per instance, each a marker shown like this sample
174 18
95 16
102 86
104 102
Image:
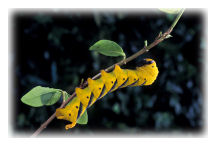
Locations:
108 82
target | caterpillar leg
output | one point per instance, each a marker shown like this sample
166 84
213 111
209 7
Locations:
70 125
60 114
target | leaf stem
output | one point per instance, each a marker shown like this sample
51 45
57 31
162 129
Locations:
177 18
159 39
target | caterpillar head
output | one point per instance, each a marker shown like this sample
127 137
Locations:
63 113
69 113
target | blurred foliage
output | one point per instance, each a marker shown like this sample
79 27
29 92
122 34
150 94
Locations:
52 49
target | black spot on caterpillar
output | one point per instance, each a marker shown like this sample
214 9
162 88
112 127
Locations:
102 92
144 74
114 85
123 83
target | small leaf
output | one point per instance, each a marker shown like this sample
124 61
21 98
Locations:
168 36
170 10
145 43
83 119
108 48
40 96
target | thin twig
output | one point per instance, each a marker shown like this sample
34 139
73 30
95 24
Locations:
44 125
143 50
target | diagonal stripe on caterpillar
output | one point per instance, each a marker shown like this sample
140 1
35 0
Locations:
145 74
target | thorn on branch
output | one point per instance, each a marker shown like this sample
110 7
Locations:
159 36
81 83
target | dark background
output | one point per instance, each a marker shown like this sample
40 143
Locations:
51 49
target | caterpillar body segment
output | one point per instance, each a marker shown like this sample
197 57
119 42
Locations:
109 81
97 89
120 75
84 95
145 74
132 78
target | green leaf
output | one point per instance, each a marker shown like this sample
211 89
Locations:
83 119
67 96
108 48
145 43
40 96
170 10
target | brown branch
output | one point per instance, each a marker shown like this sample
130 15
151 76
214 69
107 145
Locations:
158 39
44 125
